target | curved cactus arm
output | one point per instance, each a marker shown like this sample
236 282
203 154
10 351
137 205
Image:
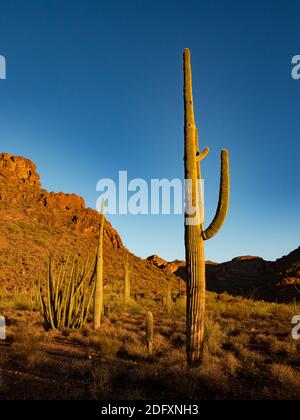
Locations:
223 204
202 155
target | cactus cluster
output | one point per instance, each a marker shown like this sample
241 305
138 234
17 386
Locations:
195 234
69 294
67 300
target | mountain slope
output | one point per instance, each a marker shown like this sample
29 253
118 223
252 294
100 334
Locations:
248 276
34 222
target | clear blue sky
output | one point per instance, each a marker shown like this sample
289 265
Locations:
95 87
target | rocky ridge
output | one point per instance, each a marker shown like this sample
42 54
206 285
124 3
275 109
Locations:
35 223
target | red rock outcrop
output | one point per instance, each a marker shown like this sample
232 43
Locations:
21 189
64 201
16 170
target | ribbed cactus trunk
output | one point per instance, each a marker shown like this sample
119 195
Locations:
99 293
194 220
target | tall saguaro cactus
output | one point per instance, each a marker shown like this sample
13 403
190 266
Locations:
98 296
127 274
195 234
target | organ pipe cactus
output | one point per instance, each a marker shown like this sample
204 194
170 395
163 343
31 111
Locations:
195 234
66 300
99 291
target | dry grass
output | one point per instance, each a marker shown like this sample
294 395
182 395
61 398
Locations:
249 354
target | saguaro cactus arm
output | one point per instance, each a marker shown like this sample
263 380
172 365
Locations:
202 155
224 195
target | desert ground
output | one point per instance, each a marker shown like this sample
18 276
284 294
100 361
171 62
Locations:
249 349
249 353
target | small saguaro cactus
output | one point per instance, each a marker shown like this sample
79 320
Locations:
169 296
99 292
195 234
127 274
149 332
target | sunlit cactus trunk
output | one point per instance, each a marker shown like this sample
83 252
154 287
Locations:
99 293
127 273
194 221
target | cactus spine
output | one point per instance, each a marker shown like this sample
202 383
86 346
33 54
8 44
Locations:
98 296
127 281
149 332
194 230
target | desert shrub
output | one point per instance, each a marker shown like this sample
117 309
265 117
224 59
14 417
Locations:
214 336
288 378
26 346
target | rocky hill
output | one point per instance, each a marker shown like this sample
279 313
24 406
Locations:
248 276
34 222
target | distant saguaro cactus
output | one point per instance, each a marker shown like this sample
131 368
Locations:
127 275
99 293
149 332
169 296
194 222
